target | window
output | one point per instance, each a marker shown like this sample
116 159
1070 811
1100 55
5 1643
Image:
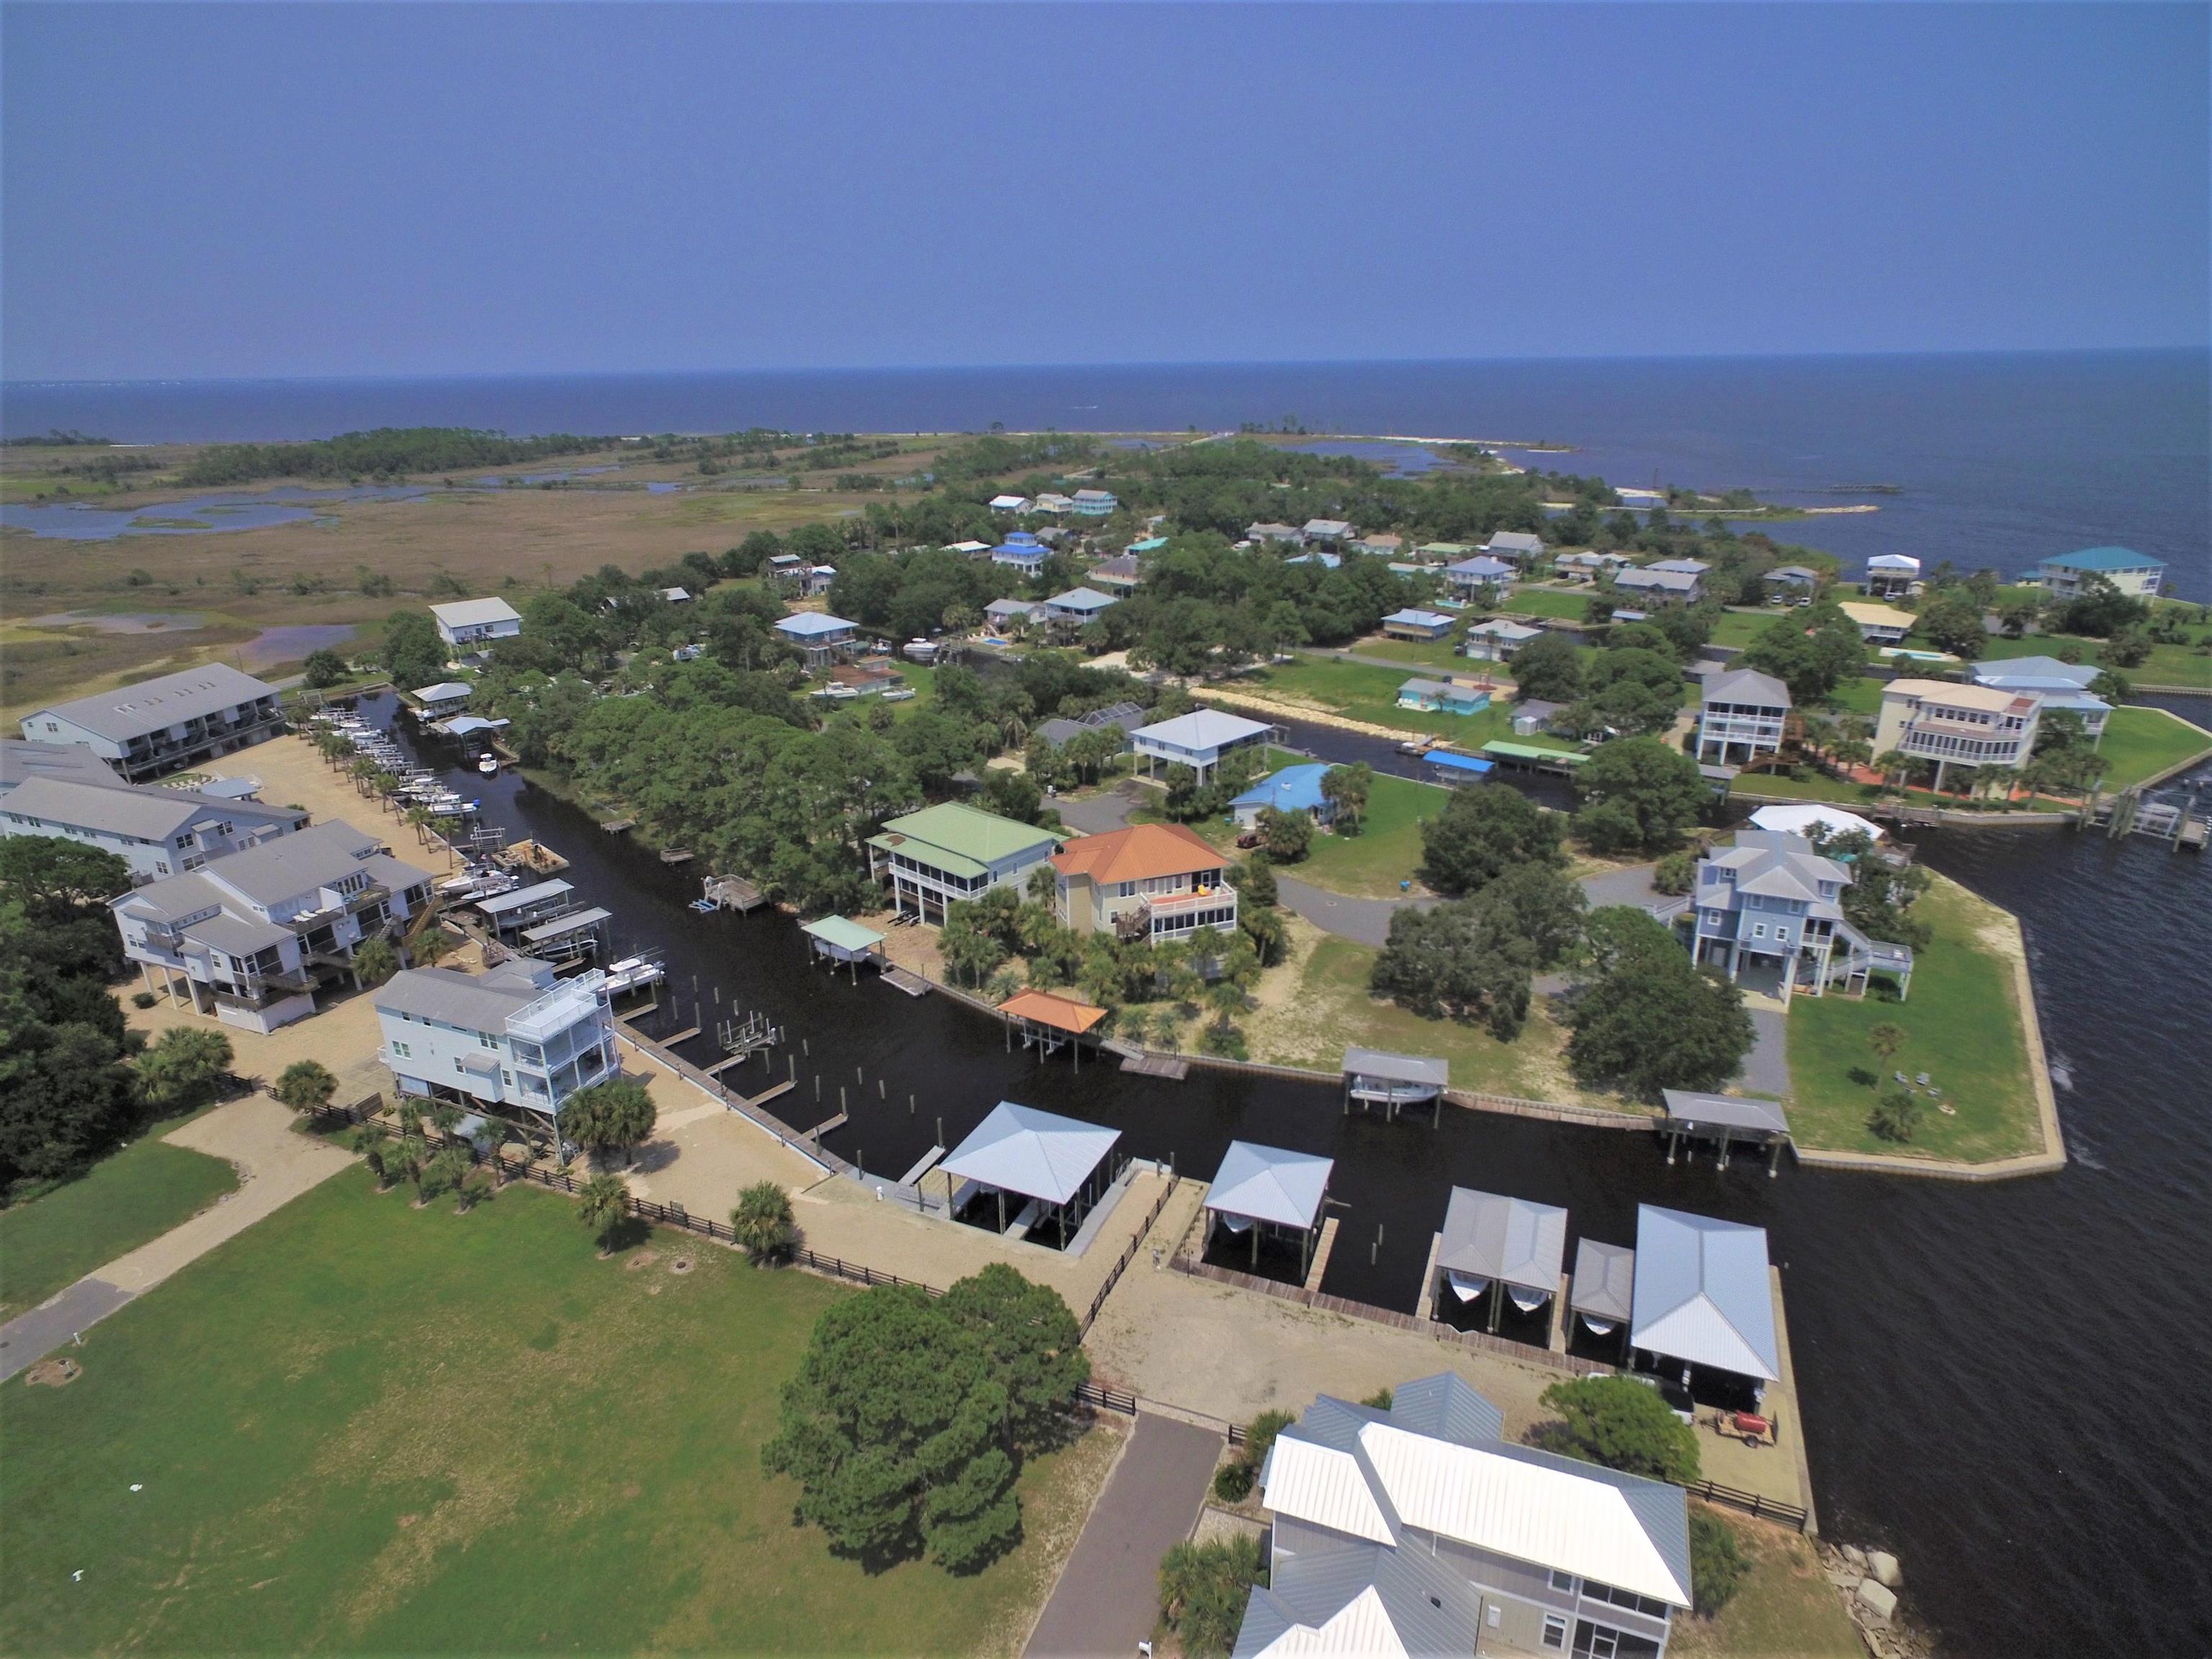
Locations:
1563 1581
1555 1628
1758 930
403 1051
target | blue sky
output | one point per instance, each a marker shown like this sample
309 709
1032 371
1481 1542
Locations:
241 190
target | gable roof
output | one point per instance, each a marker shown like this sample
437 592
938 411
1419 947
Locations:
115 809
1411 617
154 705
1397 1068
1490 1236
1729 1111
474 1002
1019 1149
1270 1183
298 863
23 759
1140 853
1702 1292
1513 541
2034 673
1481 569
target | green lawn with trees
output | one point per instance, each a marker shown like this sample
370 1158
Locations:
1558 603
1363 691
120 1203
367 1427
1783 1608
1961 1025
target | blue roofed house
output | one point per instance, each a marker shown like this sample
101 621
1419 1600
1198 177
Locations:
1021 551
1412 624
1442 697
1420 1529
821 637
1480 571
2136 575
1293 789
2062 685
1772 905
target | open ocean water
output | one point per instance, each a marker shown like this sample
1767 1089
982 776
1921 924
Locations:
2006 1384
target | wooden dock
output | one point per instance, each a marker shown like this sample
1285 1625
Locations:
722 1066
1321 1253
732 893
615 826
928 1162
766 1095
675 1037
1150 1064
826 1126
676 856
907 980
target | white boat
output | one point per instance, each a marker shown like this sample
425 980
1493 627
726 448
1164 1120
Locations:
899 693
632 974
488 764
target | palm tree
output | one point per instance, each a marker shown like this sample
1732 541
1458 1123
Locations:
763 1224
1167 1030
368 1140
419 820
306 1085
1885 1039
1892 762
446 1171
603 1205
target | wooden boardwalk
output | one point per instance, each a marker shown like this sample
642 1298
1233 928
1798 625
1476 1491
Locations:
907 980
1151 1064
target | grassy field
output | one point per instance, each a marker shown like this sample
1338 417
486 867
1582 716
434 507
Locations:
1963 1028
365 1428
1318 1004
120 1203
1784 1609
1439 655
1548 602
1739 628
1361 691
2169 665
1368 865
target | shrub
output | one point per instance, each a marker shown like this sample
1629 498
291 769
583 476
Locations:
1676 873
1717 1563
1203 1590
763 1224
1895 1114
143 999
1621 1424
1233 1481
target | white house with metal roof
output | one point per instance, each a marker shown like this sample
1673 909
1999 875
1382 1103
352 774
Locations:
1468 575
1891 576
250 935
160 725
1198 739
1497 640
1077 605
1740 715
157 832
2135 575
1653 586
512 1040
1515 547
1703 1299
2058 685
1420 1530
466 624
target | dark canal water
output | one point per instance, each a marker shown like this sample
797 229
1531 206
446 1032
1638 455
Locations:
2008 1384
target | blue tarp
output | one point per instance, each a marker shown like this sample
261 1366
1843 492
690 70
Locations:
1456 762
1293 789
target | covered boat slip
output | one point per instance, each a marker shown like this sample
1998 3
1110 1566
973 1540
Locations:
1493 1251
1050 1023
1725 1120
1374 1077
1030 1174
569 938
1704 1305
508 914
1270 1198
1603 1296
840 940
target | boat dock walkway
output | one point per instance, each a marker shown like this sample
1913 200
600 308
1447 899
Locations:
907 980
928 1162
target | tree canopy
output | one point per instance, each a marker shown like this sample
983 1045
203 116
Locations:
1621 1424
1638 795
1655 1021
1485 829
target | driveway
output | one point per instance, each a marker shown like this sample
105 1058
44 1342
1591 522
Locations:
1767 1068
1108 1597
1102 814
1366 920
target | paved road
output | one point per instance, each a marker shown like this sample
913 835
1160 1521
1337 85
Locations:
275 1165
1367 921
1108 1597
28 1338
1102 814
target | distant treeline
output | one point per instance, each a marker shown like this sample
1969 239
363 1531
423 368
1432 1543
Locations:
387 453
55 439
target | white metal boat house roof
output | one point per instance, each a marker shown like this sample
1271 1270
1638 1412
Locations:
1041 1155
1702 1293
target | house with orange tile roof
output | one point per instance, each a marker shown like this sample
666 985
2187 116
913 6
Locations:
1156 881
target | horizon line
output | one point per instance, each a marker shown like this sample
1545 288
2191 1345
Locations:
400 376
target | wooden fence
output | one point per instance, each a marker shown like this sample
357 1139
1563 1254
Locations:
1114 1276
1751 1503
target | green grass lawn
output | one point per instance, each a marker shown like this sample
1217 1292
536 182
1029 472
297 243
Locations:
120 1203
1740 627
1963 1028
1548 602
2169 665
1439 655
1785 1608
2140 742
1326 1008
363 1427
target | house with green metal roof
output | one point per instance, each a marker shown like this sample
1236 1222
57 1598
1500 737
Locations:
944 854
2136 575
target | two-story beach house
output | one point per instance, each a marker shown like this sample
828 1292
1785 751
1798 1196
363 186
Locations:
251 935
468 624
1016 504
1092 504
1329 532
823 638
513 1039
2136 575
157 832
1878 624
1077 607
1891 576
1420 1529
944 854
1740 713
1198 739
1517 548
1022 553
1958 725
1650 585
165 723
1469 576
1157 881
1497 640
1770 906
1413 623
